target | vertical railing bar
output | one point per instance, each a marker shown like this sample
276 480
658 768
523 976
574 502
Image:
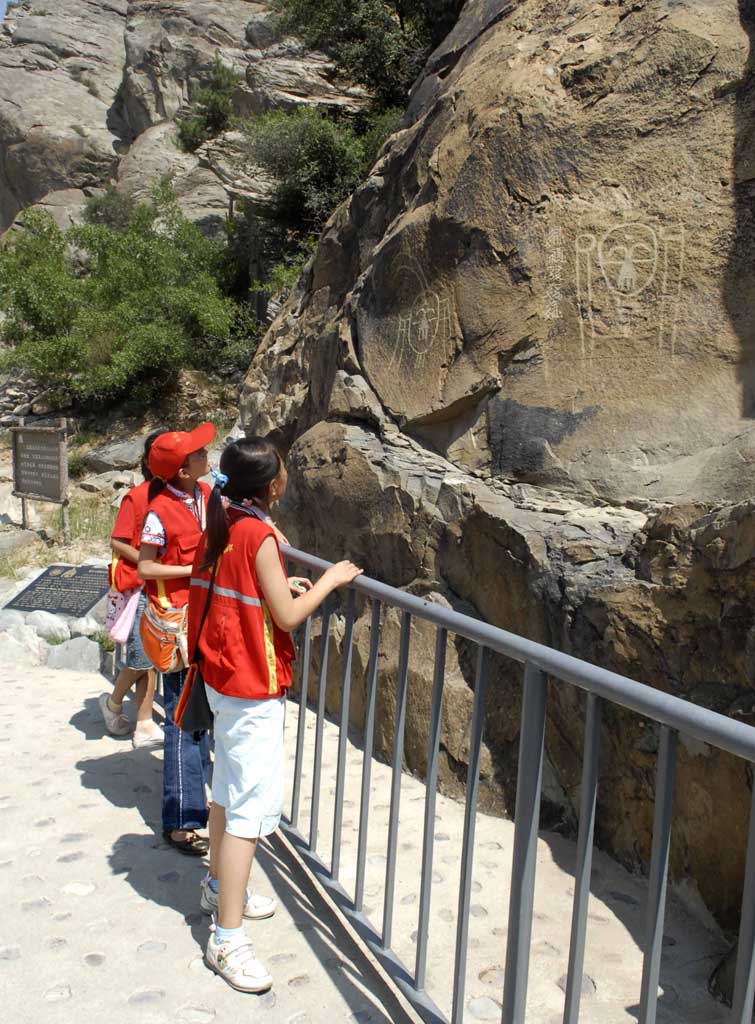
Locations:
302 723
397 764
343 734
524 858
591 757
431 784
744 979
468 836
369 734
656 906
322 686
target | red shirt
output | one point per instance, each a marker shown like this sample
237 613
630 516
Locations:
243 652
128 528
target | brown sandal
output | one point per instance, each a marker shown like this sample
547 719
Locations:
193 845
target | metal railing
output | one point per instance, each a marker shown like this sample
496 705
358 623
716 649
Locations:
672 714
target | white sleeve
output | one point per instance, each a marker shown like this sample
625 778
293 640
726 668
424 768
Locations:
153 531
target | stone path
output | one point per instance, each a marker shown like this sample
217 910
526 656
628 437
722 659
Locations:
101 918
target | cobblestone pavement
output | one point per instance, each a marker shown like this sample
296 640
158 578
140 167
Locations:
101 919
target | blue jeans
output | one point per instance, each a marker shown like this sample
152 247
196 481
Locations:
185 766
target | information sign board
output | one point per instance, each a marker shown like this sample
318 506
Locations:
64 590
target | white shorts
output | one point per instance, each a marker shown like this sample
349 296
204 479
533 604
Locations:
247 778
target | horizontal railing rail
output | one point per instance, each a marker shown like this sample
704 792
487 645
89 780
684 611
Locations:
673 714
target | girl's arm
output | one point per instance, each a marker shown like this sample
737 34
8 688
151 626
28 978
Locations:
289 612
124 549
149 568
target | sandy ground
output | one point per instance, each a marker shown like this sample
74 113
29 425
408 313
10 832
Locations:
101 918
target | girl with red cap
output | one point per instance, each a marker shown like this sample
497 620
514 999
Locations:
172 528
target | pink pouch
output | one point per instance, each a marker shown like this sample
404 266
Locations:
121 614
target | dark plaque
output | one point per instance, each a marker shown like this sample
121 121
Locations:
64 590
40 466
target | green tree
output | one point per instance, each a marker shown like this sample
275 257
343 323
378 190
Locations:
211 110
101 311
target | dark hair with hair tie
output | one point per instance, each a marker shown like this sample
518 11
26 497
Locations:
249 466
149 440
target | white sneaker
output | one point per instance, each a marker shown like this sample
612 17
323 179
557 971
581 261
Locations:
150 738
256 908
116 722
236 963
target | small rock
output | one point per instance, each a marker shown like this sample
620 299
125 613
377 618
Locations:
299 981
492 976
51 628
79 889
485 1008
151 946
57 994
69 858
10 953
268 1000
146 997
589 988
79 654
87 626
121 455
56 943
42 903
94 959
477 910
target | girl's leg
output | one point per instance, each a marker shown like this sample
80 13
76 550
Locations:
145 695
234 864
217 831
126 679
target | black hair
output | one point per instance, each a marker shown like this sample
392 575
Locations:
149 440
251 465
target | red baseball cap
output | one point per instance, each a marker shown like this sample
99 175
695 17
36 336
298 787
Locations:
169 451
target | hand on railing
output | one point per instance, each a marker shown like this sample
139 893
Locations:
341 573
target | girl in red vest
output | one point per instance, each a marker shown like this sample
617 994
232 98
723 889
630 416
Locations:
246 652
137 670
175 519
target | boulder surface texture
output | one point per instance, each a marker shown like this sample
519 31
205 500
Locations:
517 377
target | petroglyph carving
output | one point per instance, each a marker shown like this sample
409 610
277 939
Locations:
425 327
631 269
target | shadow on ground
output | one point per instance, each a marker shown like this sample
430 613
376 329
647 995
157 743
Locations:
133 779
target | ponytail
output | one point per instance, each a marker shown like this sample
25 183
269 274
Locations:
217 531
156 486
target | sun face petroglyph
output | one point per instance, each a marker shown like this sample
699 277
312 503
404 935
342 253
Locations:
425 327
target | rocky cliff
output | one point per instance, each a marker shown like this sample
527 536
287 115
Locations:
89 93
516 376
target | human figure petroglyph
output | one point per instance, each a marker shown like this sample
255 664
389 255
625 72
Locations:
633 267
425 327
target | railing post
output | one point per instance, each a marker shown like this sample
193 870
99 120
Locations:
343 734
369 736
524 860
590 755
322 687
302 723
656 908
431 785
470 820
397 765
744 979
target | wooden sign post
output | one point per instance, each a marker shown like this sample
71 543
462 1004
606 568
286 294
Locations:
40 469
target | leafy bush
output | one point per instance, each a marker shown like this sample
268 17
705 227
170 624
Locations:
382 44
104 311
211 110
112 208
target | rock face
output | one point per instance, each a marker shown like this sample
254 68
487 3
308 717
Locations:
103 83
540 279
515 377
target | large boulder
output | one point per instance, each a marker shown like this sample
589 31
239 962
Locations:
547 276
66 65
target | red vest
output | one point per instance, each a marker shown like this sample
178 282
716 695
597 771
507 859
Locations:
243 653
182 534
128 527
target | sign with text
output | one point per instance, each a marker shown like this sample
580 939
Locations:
40 466
64 590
